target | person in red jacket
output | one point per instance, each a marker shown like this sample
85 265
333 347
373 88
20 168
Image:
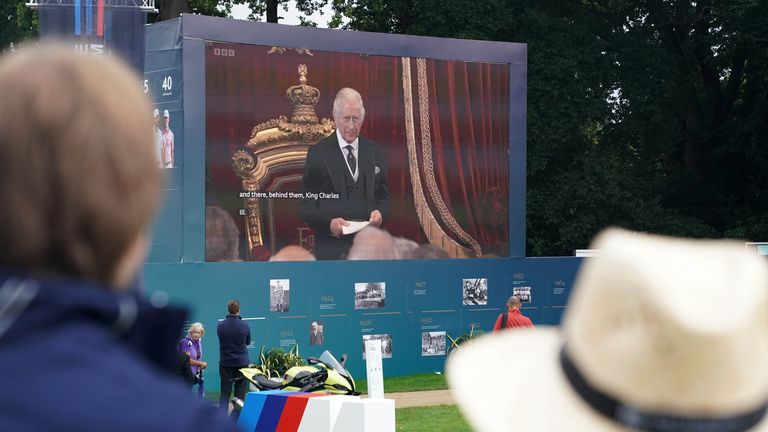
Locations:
513 316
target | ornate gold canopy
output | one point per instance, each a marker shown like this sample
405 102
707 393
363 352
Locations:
276 151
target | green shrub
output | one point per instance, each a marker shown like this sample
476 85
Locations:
276 361
464 338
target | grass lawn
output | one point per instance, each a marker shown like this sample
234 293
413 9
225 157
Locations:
431 418
408 383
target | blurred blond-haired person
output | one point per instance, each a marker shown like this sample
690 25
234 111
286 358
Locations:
79 187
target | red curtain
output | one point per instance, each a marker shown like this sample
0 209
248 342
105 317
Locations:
469 122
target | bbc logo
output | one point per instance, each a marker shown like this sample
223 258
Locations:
224 52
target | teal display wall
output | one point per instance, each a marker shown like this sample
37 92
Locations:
417 306
420 296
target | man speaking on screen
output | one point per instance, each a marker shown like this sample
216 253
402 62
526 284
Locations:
344 183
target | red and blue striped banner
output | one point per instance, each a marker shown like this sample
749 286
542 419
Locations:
97 28
79 11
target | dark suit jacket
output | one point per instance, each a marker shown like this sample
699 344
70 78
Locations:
316 339
324 173
234 337
185 370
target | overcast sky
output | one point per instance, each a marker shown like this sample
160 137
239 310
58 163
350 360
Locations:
241 11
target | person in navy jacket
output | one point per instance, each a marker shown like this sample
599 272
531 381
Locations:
80 349
234 337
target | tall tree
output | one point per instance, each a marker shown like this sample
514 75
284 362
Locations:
17 22
648 114
691 78
169 9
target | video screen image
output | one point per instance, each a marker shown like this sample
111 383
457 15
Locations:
419 146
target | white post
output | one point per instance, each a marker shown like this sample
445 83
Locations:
374 369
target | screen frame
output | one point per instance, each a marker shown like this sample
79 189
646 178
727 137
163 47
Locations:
196 30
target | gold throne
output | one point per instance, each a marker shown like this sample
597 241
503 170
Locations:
273 161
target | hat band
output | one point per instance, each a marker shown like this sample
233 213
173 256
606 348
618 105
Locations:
652 421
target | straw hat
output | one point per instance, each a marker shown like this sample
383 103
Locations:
660 334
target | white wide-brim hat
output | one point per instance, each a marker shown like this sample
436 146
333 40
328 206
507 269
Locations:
660 334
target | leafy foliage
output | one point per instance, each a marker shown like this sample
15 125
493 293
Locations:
646 114
464 338
269 8
276 361
210 7
17 22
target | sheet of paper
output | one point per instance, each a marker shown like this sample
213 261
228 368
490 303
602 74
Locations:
353 227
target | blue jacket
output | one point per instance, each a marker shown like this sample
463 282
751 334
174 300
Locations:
234 336
77 357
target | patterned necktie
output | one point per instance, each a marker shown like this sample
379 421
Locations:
351 159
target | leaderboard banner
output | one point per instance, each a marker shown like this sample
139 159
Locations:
97 27
163 83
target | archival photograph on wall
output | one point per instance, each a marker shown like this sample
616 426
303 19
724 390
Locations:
279 295
386 344
370 295
433 343
475 292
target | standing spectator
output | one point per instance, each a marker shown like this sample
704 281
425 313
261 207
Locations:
79 188
157 137
193 348
280 296
167 147
512 317
234 337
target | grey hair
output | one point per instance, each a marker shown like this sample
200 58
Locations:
349 94
372 243
404 247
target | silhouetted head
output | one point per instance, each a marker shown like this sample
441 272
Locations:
293 253
372 243
79 183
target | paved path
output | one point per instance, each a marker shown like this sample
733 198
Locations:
421 398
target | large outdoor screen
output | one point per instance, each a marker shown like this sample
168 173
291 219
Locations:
440 170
